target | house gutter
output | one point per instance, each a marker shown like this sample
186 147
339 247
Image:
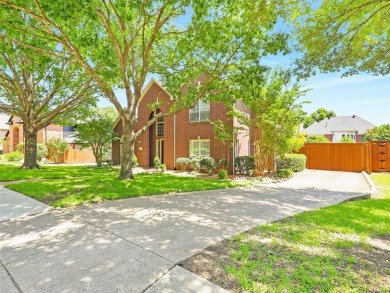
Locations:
234 150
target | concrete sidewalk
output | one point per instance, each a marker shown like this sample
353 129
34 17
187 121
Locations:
134 245
14 205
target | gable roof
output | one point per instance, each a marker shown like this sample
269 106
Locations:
145 90
339 124
344 127
317 128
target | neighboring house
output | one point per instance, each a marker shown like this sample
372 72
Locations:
15 134
3 130
334 128
185 134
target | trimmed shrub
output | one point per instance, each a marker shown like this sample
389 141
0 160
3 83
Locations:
14 156
183 162
285 173
243 165
295 162
195 164
57 147
208 164
222 174
317 138
157 163
163 168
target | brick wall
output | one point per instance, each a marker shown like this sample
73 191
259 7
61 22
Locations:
329 137
359 137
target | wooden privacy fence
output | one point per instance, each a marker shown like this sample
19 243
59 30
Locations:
79 156
352 157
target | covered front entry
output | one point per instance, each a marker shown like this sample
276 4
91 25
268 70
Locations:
156 141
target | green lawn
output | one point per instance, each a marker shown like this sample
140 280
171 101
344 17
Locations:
69 186
12 172
334 249
382 181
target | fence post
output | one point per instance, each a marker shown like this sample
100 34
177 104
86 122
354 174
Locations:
369 157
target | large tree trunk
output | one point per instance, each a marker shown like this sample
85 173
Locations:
127 153
30 150
97 152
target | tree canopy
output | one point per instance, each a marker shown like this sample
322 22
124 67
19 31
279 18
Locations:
121 44
317 116
39 89
378 133
352 36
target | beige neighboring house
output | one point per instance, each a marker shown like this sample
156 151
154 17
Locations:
335 128
3 130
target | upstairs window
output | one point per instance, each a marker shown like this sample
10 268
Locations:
201 112
160 127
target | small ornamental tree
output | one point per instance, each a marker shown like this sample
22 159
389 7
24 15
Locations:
226 133
275 112
96 132
57 147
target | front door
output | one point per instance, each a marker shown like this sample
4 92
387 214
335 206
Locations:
160 149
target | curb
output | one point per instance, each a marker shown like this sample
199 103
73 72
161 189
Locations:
372 186
370 183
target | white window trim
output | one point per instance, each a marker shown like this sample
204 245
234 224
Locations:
157 123
198 112
198 155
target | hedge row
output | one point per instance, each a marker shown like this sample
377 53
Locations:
294 162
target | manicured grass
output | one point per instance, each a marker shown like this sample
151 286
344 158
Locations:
334 249
382 181
12 172
80 185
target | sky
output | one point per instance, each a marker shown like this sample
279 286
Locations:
365 95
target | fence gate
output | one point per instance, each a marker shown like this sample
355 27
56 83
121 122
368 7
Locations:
380 156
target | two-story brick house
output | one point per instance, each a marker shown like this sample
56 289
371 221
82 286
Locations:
188 133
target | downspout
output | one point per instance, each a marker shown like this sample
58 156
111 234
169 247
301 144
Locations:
174 141
234 150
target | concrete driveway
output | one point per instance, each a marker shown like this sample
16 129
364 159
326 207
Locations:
134 245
